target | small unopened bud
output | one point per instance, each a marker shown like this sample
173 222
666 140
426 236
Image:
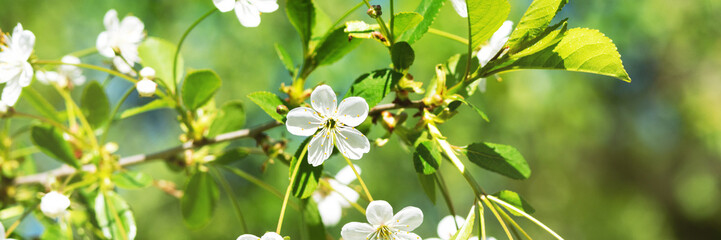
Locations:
3 108
54 204
147 72
111 147
281 109
375 11
146 87
389 120
378 35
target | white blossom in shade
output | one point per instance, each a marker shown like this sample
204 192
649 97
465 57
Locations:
332 124
146 87
460 7
121 36
247 11
15 70
64 75
447 228
54 204
3 108
266 236
383 225
331 201
495 44
147 72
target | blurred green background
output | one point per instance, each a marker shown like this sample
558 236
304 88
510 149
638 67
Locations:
610 160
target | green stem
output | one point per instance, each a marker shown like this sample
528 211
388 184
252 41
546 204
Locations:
382 23
448 35
132 68
180 44
88 66
290 186
482 223
513 223
470 43
500 220
446 196
360 180
231 196
392 37
83 121
529 217
115 111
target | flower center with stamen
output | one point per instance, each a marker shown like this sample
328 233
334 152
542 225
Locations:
330 123
383 233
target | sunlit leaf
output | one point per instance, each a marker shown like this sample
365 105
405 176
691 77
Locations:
374 86
429 10
114 216
333 47
301 14
230 117
515 200
486 16
285 58
131 180
199 87
269 102
535 20
427 158
158 54
404 21
467 229
152 105
51 142
502 159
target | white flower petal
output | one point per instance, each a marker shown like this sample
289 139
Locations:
224 5
271 236
23 42
356 231
460 7
265 6
346 174
320 147
379 212
132 29
103 45
323 100
352 111
351 142
475 238
248 15
435 239
147 72
26 75
407 219
303 121
110 20
330 211
404 235
446 227
11 93
54 204
146 87
342 193
122 66
502 33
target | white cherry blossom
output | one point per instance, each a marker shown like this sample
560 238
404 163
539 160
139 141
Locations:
64 75
332 124
54 204
331 201
15 70
121 36
147 72
247 11
146 87
384 225
266 236
447 228
495 44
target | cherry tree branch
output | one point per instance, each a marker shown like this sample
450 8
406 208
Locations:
66 170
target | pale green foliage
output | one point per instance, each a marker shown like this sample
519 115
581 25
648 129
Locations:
484 17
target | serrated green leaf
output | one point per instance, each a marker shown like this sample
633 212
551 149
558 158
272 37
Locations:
485 17
131 180
580 50
428 182
429 10
312 220
374 86
538 16
515 200
551 36
230 117
40 104
333 47
467 229
285 58
402 55
502 159
232 155
405 21
152 105
301 14
95 104
112 212
269 102
306 180
199 200
158 54
427 158
199 87
51 142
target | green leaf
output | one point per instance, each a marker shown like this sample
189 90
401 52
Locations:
95 104
402 55
333 47
306 180
456 66
502 159
231 117
404 21
580 50
428 182
232 156
478 110
465 232
538 16
312 220
269 102
199 200
40 104
51 142
301 14
199 87
485 17
114 216
429 10
131 180
285 58
551 36
427 158
158 54
374 86
515 200
152 105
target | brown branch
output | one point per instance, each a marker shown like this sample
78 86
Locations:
66 170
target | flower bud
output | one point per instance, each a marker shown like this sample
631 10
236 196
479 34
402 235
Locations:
147 72
3 108
375 11
281 109
146 87
54 204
